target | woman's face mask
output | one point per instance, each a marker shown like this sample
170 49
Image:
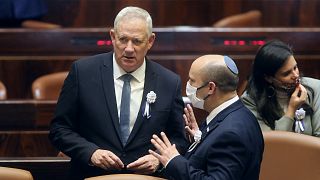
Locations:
287 77
286 87
192 95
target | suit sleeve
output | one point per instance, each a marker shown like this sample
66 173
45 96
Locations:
226 158
63 129
175 127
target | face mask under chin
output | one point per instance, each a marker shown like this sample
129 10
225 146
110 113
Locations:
288 88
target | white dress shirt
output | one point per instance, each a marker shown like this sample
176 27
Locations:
137 85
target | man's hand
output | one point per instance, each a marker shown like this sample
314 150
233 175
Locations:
166 149
191 122
147 164
106 160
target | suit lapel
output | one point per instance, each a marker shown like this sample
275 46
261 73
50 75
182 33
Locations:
212 125
149 85
109 91
215 122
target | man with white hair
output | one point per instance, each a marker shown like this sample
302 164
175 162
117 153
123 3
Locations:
111 104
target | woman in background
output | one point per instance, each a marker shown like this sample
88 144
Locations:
278 96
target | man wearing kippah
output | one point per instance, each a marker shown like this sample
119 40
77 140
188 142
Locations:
229 144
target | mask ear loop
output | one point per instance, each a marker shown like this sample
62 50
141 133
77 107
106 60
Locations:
203 85
208 94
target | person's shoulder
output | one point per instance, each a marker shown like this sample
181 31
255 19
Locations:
243 121
243 110
311 82
239 113
245 94
247 99
98 58
310 79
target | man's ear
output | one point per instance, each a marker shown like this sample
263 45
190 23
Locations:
212 87
151 40
112 34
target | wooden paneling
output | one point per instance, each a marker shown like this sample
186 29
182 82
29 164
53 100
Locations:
18 73
26 114
28 43
101 13
25 144
31 53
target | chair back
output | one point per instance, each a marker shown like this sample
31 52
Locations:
34 24
289 155
125 177
7 173
242 87
3 91
48 87
248 19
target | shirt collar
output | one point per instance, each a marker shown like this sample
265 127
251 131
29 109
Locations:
138 74
221 107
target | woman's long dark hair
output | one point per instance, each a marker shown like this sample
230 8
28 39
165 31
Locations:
269 59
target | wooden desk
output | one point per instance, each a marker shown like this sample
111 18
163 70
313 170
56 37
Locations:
169 41
26 144
26 114
24 126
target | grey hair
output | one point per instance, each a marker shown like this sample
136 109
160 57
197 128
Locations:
221 75
134 12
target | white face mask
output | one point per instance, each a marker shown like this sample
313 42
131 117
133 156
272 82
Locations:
192 95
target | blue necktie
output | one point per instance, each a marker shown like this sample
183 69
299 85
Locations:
125 108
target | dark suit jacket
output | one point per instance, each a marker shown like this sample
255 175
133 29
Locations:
231 150
86 117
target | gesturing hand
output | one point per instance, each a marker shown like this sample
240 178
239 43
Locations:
145 165
166 150
106 160
191 122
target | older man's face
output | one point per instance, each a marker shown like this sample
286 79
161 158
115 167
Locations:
131 43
